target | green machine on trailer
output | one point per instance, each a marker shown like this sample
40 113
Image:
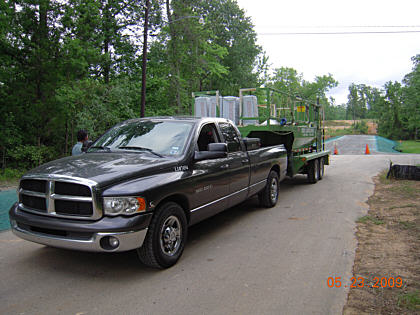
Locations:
293 121
276 118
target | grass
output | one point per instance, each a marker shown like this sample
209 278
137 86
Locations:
409 146
333 123
408 225
405 188
410 300
330 132
365 219
338 132
411 205
382 177
10 177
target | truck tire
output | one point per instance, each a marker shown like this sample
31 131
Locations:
270 194
313 171
321 168
165 238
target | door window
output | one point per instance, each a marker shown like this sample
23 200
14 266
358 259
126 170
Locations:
208 134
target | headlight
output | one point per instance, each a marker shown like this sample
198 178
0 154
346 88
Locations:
123 205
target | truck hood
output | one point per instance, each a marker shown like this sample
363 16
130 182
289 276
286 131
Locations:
105 168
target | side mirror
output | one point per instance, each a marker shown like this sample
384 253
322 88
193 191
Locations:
215 151
217 147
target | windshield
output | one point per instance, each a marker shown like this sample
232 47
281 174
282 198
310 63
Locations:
156 137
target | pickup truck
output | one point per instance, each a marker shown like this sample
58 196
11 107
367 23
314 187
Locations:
142 184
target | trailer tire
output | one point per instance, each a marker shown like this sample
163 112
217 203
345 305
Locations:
165 238
313 171
270 194
321 168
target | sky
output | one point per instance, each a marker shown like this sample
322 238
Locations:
371 59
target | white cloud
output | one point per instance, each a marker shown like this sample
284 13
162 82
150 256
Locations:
372 59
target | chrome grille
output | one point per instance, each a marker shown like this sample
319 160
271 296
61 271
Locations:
60 196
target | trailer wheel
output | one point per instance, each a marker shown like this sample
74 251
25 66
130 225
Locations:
270 194
313 171
165 238
321 168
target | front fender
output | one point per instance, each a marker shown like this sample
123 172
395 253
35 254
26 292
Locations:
154 188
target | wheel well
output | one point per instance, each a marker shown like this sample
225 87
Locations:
276 169
181 200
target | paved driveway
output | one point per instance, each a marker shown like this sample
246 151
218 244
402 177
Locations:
246 260
356 144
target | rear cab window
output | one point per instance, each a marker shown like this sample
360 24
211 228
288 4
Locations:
231 137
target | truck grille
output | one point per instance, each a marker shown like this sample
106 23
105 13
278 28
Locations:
60 197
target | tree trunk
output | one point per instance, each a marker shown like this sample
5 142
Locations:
4 160
107 40
144 59
66 137
176 86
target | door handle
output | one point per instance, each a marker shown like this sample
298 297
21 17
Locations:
246 161
224 166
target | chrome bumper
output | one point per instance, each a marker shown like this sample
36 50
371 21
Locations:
127 240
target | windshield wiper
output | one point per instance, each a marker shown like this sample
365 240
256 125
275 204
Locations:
141 149
108 149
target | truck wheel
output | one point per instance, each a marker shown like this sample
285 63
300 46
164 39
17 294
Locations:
313 171
321 169
270 194
165 238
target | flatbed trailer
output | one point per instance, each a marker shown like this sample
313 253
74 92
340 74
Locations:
282 118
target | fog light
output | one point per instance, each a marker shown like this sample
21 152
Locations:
113 242
109 243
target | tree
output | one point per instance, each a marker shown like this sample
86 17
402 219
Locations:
234 31
357 105
144 58
291 84
412 99
390 124
193 53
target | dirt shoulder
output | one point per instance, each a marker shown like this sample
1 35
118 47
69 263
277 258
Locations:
388 255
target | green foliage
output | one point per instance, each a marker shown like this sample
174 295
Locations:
10 174
361 127
29 156
396 107
234 31
68 65
76 64
334 112
96 107
292 85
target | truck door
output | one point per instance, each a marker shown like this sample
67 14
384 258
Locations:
239 167
210 181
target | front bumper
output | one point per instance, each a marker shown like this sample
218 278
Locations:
77 235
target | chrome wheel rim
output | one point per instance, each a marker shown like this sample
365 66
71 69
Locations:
274 190
170 236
